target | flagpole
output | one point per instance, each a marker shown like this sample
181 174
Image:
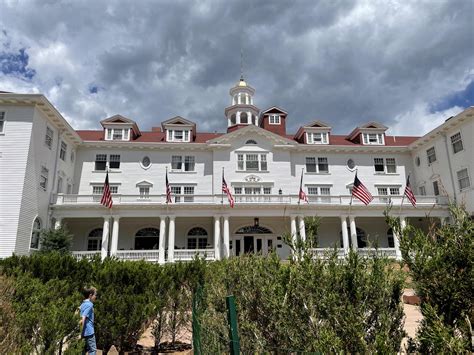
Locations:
403 197
222 190
350 203
109 237
301 186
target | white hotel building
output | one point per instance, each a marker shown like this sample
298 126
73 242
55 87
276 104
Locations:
51 174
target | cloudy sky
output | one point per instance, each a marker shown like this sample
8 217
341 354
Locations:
408 64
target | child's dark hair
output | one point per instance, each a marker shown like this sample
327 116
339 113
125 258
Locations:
88 291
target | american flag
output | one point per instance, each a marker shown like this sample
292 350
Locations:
106 199
168 190
409 192
302 194
360 191
226 190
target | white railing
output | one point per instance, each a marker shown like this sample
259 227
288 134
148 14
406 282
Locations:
85 254
190 254
342 200
148 255
388 252
324 252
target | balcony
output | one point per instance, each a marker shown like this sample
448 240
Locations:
256 199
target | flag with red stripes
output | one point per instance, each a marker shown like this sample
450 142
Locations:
409 192
226 190
106 199
360 191
168 190
302 194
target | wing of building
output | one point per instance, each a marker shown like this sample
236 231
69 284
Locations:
53 175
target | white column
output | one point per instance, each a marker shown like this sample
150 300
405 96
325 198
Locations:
237 117
353 232
105 238
302 228
396 239
226 237
162 246
345 235
249 117
293 228
217 235
57 223
171 240
240 98
115 235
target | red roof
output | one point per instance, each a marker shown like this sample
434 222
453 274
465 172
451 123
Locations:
391 141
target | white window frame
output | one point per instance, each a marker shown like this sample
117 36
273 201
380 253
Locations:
36 233
185 135
373 138
463 178
98 189
431 155
318 162
184 162
112 134
274 119
387 190
319 193
183 192
63 151
49 137
2 122
144 192
317 137
262 162
456 141
422 190
44 177
385 165
114 159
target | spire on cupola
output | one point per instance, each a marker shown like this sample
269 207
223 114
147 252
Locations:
242 111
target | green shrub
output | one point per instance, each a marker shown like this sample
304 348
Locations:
58 240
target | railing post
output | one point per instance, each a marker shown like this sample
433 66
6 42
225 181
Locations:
233 329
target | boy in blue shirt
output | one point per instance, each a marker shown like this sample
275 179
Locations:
87 320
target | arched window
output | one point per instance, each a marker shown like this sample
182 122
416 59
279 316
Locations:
94 239
197 238
253 230
147 238
243 117
233 119
35 234
251 141
391 242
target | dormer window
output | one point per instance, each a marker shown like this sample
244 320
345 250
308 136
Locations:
274 119
117 134
317 138
373 138
175 135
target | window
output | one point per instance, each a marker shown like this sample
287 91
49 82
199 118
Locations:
251 141
147 238
463 179
175 135
351 164
99 189
373 138
388 191
35 234
321 167
60 184
274 119
197 238
146 162
243 117
431 153
100 162
72 156
144 192
422 190
62 152
48 139
319 194
182 193
435 188
390 240
385 166
2 122
317 137
44 178
114 162
94 239
252 162
177 163
456 142
117 134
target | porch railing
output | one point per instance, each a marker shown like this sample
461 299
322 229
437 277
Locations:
148 255
324 252
190 254
341 200
85 254
388 252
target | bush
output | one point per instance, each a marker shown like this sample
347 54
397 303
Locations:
441 266
58 240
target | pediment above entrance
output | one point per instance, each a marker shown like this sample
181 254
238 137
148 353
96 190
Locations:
252 178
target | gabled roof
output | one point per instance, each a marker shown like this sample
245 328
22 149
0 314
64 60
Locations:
274 108
278 139
178 120
314 124
119 119
375 126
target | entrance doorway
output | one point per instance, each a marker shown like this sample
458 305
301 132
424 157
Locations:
253 239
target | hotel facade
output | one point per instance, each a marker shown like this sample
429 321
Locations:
53 175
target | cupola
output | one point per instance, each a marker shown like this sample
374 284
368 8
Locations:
242 111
